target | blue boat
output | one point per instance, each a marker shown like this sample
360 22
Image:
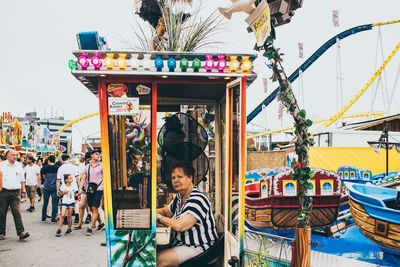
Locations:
376 212
353 174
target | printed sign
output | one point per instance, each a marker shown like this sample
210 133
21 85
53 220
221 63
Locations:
259 21
123 106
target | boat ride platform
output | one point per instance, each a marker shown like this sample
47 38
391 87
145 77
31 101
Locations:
280 252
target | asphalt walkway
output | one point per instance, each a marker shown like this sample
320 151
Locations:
43 248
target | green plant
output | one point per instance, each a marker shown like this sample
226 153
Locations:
251 148
137 248
301 172
179 30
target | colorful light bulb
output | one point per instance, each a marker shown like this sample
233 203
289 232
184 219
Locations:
83 61
171 63
196 64
121 61
72 64
159 63
109 61
184 64
96 61
246 64
221 64
233 64
209 65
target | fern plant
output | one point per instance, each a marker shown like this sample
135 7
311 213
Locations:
179 29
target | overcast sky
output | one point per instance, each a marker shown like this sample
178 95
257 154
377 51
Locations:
38 38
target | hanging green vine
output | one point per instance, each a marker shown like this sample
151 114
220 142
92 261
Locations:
301 171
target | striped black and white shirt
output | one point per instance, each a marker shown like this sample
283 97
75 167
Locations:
204 232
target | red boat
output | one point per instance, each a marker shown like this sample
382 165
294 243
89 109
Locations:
272 202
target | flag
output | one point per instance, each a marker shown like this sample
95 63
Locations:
265 80
300 50
335 18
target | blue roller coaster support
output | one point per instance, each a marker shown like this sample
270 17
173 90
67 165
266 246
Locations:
307 64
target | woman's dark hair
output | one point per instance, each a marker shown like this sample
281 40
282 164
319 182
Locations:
187 168
66 177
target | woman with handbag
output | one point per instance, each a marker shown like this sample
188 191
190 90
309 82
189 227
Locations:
94 174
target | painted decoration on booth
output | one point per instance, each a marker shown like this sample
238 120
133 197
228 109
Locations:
123 106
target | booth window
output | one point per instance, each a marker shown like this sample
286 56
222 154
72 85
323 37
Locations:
326 187
289 188
264 189
129 123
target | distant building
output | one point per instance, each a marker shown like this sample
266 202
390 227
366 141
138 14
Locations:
95 142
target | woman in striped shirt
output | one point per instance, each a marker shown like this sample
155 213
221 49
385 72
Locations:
190 216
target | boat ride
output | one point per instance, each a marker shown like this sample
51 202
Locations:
272 202
376 212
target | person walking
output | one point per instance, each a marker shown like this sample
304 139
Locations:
83 201
39 190
49 174
11 181
32 178
94 192
68 168
68 192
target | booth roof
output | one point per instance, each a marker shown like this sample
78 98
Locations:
135 61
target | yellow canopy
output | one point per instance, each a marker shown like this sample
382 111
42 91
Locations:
330 158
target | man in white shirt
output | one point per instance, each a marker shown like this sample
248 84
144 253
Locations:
68 168
11 181
32 180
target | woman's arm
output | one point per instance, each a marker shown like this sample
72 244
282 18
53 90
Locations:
182 224
164 212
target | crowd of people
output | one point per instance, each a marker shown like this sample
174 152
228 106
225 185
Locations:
67 188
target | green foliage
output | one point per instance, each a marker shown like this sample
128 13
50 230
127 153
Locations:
261 259
301 172
251 148
139 237
186 34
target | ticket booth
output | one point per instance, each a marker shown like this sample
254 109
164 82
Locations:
143 97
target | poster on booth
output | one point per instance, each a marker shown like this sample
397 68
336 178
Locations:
123 106
259 21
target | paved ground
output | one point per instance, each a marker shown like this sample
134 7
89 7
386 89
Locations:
43 248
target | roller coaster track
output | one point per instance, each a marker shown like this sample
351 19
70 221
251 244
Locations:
69 124
314 57
362 91
374 115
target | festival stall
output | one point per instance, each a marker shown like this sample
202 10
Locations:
156 109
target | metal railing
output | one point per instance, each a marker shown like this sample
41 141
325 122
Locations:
262 249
